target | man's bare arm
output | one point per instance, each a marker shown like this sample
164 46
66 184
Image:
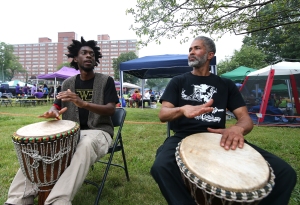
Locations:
169 112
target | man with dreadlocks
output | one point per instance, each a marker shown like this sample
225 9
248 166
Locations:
90 99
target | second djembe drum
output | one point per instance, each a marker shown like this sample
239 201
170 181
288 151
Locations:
215 176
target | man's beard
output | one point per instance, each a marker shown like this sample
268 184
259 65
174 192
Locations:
199 62
87 69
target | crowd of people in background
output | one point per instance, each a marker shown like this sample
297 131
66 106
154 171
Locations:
41 91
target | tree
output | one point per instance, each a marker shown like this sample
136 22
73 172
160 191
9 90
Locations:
63 65
123 57
170 18
159 83
9 63
277 43
248 56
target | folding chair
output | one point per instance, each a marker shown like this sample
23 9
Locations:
5 100
118 119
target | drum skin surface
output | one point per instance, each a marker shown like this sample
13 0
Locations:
41 129
232 170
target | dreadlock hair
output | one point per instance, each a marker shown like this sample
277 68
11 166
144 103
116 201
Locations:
76 46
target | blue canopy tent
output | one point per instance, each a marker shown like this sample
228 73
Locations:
158 66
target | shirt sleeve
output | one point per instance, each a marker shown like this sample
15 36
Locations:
170 93
110 92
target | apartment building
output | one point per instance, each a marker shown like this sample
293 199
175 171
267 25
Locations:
44 57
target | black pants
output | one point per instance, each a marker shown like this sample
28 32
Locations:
166 173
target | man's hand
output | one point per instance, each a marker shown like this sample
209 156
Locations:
231 137
69 96
53 113
191 111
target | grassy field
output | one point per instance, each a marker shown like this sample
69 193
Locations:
143 134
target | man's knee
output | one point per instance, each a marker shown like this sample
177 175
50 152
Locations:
157 167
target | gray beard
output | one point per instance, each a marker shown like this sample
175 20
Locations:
199 62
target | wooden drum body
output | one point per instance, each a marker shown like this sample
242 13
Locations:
44 151
216 176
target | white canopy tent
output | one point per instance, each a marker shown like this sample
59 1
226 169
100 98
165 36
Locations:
287 71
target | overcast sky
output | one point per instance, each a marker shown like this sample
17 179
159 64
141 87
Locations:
24 21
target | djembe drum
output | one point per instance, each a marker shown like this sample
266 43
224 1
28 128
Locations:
44 151
216 176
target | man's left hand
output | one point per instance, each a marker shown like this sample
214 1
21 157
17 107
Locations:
231 137
68 95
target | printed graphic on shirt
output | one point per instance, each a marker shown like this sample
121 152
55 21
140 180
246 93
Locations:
85 94
203 93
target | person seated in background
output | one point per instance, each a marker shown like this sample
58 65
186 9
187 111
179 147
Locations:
146 98
152 95
33 89
38 94
45 90
25 90
278 101
18 90
135 98
252 100
58 89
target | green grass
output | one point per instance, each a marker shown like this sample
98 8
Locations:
143 134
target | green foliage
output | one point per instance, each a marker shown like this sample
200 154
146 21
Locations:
159 83
9 62
277 43
248 56
156 19
123 57
63 65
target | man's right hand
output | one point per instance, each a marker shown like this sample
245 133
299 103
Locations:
191 111
53 113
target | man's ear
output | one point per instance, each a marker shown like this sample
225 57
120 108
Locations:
75 59
210 55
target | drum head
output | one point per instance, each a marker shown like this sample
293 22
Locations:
237 170
46 128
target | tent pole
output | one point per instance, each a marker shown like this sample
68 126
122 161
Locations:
295 93
54 94
265 99
121 87
245 80
143 83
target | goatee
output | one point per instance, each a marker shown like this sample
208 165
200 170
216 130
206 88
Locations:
199 62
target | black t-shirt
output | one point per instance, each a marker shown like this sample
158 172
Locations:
84 89
189 89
